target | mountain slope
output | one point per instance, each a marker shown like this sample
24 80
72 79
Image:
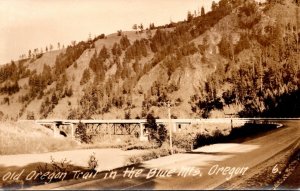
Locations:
238 59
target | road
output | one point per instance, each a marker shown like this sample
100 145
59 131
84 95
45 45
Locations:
206 165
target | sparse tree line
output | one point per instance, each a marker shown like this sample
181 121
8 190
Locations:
269 77
162 44
121 97
10 75
158 95
37 53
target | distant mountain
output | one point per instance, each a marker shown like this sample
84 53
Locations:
242 58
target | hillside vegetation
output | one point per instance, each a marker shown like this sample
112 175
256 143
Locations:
240 58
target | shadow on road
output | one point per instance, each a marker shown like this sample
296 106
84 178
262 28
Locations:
209 153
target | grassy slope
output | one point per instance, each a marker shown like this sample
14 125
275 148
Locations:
39 139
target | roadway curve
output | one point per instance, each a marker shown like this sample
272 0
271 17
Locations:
250 153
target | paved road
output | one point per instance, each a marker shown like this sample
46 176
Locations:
205 164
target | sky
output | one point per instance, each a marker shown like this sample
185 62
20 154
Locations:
30 24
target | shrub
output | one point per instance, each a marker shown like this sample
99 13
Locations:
119 32
6 100
1 115
138 145
248 129
81 133
30 115
158 133
183 141
93 162
61 166
152 154
75 65
69 91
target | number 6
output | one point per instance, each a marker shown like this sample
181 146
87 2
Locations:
275 169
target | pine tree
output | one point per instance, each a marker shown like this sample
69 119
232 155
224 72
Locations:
85 77
124 42
202 11
189 16
29 54
141 27
104 53
54 99
135 27
214 6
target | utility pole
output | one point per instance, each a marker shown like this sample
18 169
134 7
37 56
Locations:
170 126
261 72
168 104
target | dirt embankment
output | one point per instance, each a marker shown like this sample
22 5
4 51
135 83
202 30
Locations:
289 179
272 173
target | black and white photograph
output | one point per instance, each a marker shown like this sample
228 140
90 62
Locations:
149 95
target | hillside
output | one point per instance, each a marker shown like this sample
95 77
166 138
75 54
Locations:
240 58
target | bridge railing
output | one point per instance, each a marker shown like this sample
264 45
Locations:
159 121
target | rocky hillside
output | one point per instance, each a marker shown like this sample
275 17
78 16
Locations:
241 58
